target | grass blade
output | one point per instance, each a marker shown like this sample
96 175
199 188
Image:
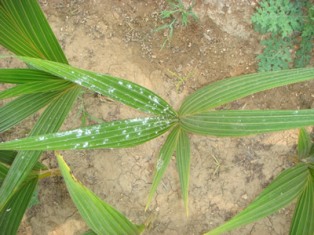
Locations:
117 134
21 76
165 155
283 190
50 121
100 216
304 144
25 31
246 122
303 218
22 107
183 165
227 90
118 89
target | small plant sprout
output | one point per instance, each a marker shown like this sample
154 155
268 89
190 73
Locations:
217 164
180 80
176 13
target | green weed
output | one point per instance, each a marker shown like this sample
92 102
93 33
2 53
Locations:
180 79
289 30
175 14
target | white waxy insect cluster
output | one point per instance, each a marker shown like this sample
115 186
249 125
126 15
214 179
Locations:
160 163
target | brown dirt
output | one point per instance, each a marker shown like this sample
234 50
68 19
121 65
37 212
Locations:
117 37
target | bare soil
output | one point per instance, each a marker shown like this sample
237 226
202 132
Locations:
118 37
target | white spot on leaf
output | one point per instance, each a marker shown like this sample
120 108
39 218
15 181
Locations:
88 132
79 133
160 163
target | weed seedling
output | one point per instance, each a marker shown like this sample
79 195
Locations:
217 164
180 80
176 13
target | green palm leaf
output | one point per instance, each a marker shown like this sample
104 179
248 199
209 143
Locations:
21 76
304 144
118 89
24 30
303 218
227 90
22 107
100 216
165 155
246 122
7 158
50 121
35 87
3 172
89 232
117 134
12 214
283 190
183 165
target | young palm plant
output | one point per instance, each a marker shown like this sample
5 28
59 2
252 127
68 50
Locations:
47 67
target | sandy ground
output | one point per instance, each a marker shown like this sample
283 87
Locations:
118 37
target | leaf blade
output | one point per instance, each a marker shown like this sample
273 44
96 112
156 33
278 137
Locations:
284 189
7 158
165 154
50 121
302 222
22 76
25 31
224 123
35 87
100 216
231 89
183 160
124 91
117 134
304 144
22 107
12 214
